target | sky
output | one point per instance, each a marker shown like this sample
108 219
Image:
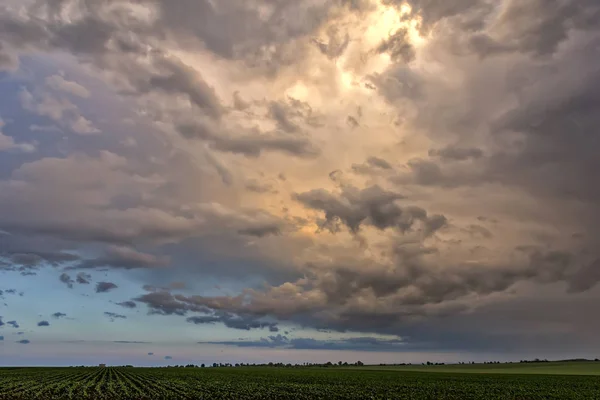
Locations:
201 181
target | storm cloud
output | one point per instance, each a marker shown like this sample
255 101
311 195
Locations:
377 167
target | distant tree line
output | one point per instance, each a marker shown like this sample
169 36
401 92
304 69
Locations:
330 364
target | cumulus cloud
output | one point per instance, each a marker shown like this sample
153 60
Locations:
58 82
7 143
373 206
66 279
59 109
103 287
43 323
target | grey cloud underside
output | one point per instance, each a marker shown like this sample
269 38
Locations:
232 321
103 287
128 304
27 262
125 258
371 206
405 295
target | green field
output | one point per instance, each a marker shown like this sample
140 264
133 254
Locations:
303 383
544 368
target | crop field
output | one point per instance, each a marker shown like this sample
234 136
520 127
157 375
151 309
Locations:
543 368
286 383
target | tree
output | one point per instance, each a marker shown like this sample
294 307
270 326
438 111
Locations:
202 365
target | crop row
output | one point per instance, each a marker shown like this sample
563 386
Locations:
274 383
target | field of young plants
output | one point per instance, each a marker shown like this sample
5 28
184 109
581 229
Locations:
285 383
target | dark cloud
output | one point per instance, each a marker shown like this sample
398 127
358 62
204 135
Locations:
454 153
233 321
398 46
261 231
464 13
258 187
83 278
373 166
24 341
66 279
352 122
537 27
130 342
10 291
103 287
127 304
378 163
114 316
1 338
478 230
172 76
2 322
59 315
356 344
410 292
371 206
168 358
150 354
163 302
28 262
122 257
281 114
222 31
43 323
250 144
14 324
35 259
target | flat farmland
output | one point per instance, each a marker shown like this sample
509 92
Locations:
542 368
301 383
